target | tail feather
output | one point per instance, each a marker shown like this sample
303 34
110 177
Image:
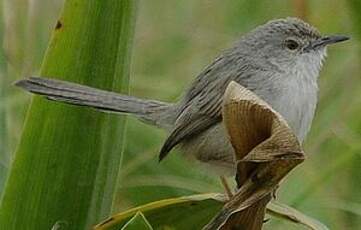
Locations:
150 111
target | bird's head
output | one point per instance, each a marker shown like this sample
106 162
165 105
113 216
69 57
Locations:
289 43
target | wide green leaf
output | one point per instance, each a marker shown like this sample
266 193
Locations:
197 211
175 213
66 165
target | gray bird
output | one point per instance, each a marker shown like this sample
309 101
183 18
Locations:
279 61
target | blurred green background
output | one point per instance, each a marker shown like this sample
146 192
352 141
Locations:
174 41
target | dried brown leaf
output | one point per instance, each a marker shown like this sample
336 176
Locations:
266 150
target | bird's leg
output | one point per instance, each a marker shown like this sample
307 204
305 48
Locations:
226 187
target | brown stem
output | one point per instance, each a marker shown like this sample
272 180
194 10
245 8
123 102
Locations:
301 8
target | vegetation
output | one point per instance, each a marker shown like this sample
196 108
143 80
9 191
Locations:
174 40
65 169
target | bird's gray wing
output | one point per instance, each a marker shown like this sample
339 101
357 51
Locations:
201 106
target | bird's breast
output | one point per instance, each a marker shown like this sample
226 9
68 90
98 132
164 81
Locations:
295 98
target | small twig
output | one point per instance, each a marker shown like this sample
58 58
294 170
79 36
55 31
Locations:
301 8
226 187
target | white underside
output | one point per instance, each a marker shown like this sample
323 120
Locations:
293 95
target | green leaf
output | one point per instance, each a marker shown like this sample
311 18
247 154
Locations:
4 137
66 165
138 222
175 213
178 213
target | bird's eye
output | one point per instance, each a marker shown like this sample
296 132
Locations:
291 44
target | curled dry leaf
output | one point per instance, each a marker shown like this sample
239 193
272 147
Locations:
265 151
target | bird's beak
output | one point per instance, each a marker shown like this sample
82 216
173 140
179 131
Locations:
327 40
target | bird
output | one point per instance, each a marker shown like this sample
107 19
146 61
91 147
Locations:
280 61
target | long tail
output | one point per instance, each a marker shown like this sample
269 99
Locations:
150 111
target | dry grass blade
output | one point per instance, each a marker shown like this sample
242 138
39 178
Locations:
283 211
138 221
266 150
